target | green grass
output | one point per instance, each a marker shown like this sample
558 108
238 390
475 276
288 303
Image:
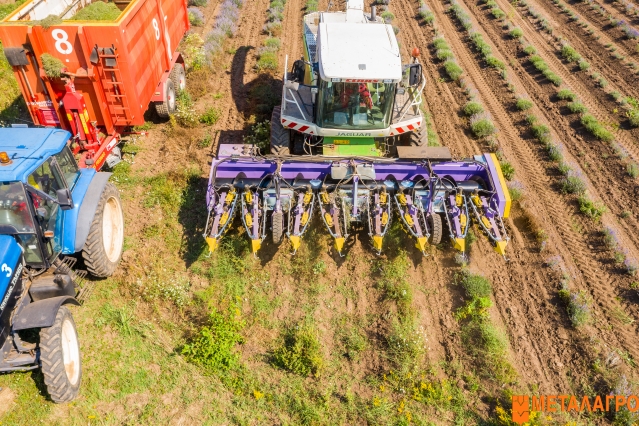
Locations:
453 70
210 116
482 127
508 170
577 107
52 65
444 54
472 108
524 104
300 351
570 54
267 61
516 33
566 95
98 11
590 208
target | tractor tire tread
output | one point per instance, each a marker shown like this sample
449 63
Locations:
52 363
93 253
435 224
175 75
278 227
419 137
280 137
163 108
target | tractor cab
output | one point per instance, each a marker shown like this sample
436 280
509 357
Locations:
30 209
36 186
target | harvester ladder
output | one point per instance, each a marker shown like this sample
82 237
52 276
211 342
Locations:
113 84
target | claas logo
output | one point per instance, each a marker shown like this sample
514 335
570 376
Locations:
521 409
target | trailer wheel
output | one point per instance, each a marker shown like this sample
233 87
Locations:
280 137
178 77
168 106
60 357
103 247
278 227
435 225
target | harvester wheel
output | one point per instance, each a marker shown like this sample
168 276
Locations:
168 106
103 247
419 137
435 224
280 137
278 226
60 357
178 77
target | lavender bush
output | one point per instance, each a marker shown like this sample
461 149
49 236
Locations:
225 26
196 17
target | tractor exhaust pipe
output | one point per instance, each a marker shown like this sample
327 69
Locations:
373 13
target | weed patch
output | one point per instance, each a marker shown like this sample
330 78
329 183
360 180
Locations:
214 346
300 351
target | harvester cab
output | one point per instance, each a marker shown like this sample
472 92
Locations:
49 209
350 142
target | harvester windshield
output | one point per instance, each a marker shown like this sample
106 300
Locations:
355 105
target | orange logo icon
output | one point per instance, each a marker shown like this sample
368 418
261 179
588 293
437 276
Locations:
521 409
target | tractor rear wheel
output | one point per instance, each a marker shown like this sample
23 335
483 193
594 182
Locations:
60 357
103 247
178 77
280 137
167 107
435 225
278 226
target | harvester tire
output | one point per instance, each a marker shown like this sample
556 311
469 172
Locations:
60 357
435 225
419 137
280 137
167 107
103 248
278 227
178 77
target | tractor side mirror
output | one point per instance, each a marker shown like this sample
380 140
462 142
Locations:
64 198
412 74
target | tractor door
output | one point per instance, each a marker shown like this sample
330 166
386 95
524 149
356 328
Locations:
48 179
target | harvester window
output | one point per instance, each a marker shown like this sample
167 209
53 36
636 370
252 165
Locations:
68 166
355 105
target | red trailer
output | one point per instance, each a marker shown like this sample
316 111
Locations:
112 69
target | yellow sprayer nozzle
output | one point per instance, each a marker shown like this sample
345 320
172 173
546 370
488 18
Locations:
377 242
212 242
295 242
339 244
500 247
459 244
421 243
256 244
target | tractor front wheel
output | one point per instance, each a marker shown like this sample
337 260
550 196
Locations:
278 227
103 247
280 137
60 357
435 225
167 107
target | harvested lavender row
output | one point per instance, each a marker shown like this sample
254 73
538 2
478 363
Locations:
225 27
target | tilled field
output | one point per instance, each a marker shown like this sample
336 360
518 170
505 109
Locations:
384 339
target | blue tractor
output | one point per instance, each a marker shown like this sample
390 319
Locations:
50 210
